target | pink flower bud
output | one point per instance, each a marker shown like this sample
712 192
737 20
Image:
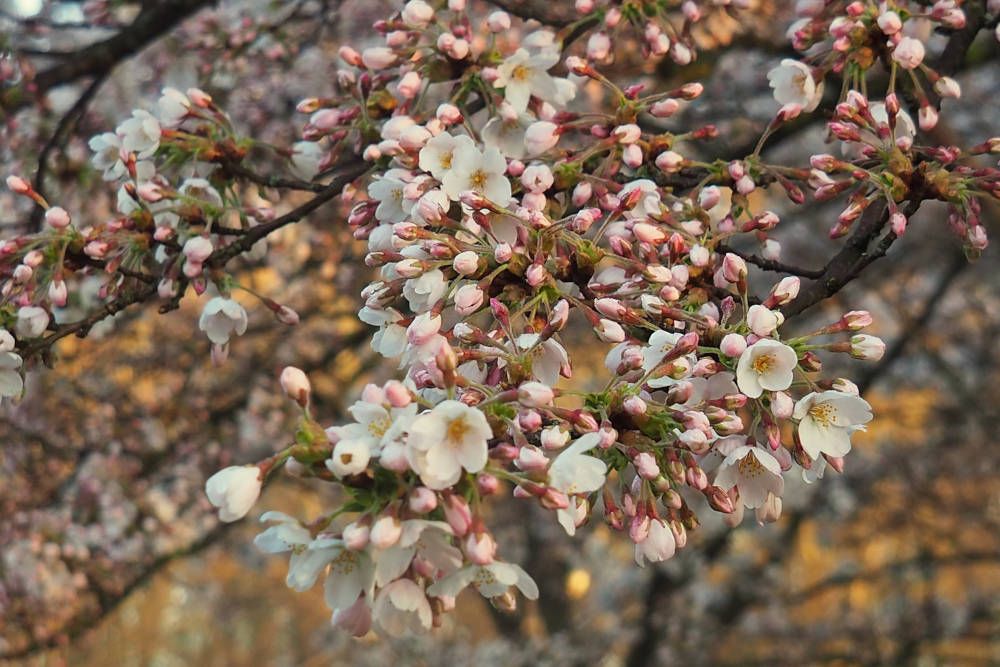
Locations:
469 299
503 252
856 320
349 56
296 385
448 114
409 86
559 315
386 532
669 161
638 529
889 22
665 108
734 268
610 307
645 466
947 87
535 394
457 514
609 331
699 255
417 13
582 193
782 405
598 46
634 406
530 458
540 137
58 293
57 217
536 275
909 53
745 185
927 118
537 178
197 249
498 21
18 185
487 484
719 500
763 321
422 500
632 156
356 535
786 290
868 348
479 548
733 345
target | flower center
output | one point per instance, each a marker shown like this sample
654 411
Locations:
749 466
478 180
377 427
799 81
457 429
520 73
445 159
763 363
823 414
345 562
483 578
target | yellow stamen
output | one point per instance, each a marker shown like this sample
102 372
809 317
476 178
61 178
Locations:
823 414
749 466
763 363
457 430
478 180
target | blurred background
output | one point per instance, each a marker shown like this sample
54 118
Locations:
110 554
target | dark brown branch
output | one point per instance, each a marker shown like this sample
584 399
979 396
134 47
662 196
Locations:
853 258
66 125
270 181
772 265
346 175
100 58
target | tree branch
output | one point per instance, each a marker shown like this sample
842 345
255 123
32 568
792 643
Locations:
100 58
852 259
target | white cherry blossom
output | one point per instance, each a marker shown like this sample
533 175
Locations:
574 472
234 490
221 318
658 546
438 154
479 171
491 581
754 472
447 439
401 608
524 74
827 419
793 83
765 365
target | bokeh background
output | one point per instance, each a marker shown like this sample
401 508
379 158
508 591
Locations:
110 555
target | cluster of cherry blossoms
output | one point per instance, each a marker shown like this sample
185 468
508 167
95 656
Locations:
507 217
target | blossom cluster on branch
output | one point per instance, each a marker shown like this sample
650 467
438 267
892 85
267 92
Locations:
512 197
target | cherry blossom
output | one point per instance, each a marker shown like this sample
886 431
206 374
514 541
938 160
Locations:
827 419
754 472
765 365
445 440
234 490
